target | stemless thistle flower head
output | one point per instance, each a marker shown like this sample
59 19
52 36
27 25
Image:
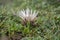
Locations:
28 15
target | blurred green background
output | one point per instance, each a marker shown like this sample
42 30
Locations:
48 19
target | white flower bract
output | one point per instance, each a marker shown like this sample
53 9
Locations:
27 14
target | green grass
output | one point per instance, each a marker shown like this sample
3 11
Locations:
48 27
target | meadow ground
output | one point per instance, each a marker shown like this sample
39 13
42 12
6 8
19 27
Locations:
47 24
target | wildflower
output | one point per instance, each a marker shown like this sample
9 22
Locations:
28 15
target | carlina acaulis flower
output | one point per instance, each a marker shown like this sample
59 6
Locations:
28 15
